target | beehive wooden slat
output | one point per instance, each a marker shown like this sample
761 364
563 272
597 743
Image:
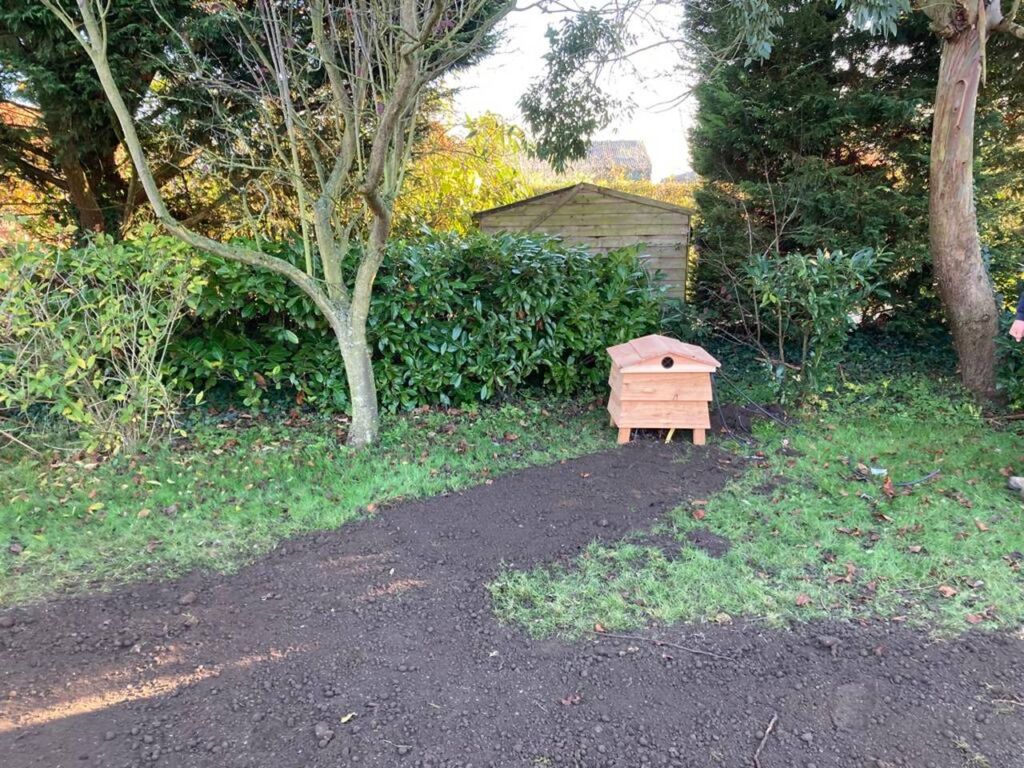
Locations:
661 386
680 414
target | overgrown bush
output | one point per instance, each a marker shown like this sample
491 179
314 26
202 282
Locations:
455 319
85 334
686 321
807 303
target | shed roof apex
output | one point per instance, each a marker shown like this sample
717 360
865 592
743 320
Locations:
586 187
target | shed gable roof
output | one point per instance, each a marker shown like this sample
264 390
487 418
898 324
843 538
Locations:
648 350
584 187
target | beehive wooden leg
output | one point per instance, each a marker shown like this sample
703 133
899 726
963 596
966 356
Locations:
611 420
698 437
668 437
623 435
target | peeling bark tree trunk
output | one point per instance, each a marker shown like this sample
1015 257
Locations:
963 282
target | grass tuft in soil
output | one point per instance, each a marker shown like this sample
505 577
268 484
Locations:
816 530
235 485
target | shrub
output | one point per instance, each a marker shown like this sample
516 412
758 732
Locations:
455 319
85 333
808 302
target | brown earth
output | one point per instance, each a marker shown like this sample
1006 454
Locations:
375 645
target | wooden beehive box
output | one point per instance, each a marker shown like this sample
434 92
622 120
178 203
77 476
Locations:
662 383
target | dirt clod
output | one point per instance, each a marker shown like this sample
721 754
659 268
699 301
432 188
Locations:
831 642
323 732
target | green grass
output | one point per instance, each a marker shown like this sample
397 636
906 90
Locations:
811 540
227 492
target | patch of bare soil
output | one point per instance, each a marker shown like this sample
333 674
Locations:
375 645
709 542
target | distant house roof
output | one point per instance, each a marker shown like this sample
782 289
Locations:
631 156
585 187
685 177
18 115
604 160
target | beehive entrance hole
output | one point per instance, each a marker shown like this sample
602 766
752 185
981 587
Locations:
667 362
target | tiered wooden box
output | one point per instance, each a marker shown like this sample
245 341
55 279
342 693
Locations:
660 383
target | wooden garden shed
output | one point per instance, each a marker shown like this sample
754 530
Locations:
602 220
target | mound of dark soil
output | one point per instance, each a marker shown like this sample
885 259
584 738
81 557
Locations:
375 645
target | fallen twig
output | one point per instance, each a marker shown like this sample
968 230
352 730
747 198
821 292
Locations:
664 643
1008 417
14 439
764 740
907 484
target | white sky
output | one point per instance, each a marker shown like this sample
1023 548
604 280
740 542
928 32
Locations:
496 84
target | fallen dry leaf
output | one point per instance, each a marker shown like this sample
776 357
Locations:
947 591
851 571
699 514
980 525
975 618
914 548
599 627
802 600
959 498
888 489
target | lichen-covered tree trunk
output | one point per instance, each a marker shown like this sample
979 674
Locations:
963 282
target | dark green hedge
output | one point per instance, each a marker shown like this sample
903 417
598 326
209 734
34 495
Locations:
455 319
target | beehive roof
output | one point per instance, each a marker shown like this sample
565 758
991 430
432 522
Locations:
651 349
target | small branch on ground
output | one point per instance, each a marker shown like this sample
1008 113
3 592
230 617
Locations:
1007 417
925 479
12 438
764 740
665 644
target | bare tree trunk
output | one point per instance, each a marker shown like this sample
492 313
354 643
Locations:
963 282
362 389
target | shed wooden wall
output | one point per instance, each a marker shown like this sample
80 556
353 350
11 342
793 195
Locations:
603 223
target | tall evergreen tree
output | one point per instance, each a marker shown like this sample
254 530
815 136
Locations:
824 145
68 143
